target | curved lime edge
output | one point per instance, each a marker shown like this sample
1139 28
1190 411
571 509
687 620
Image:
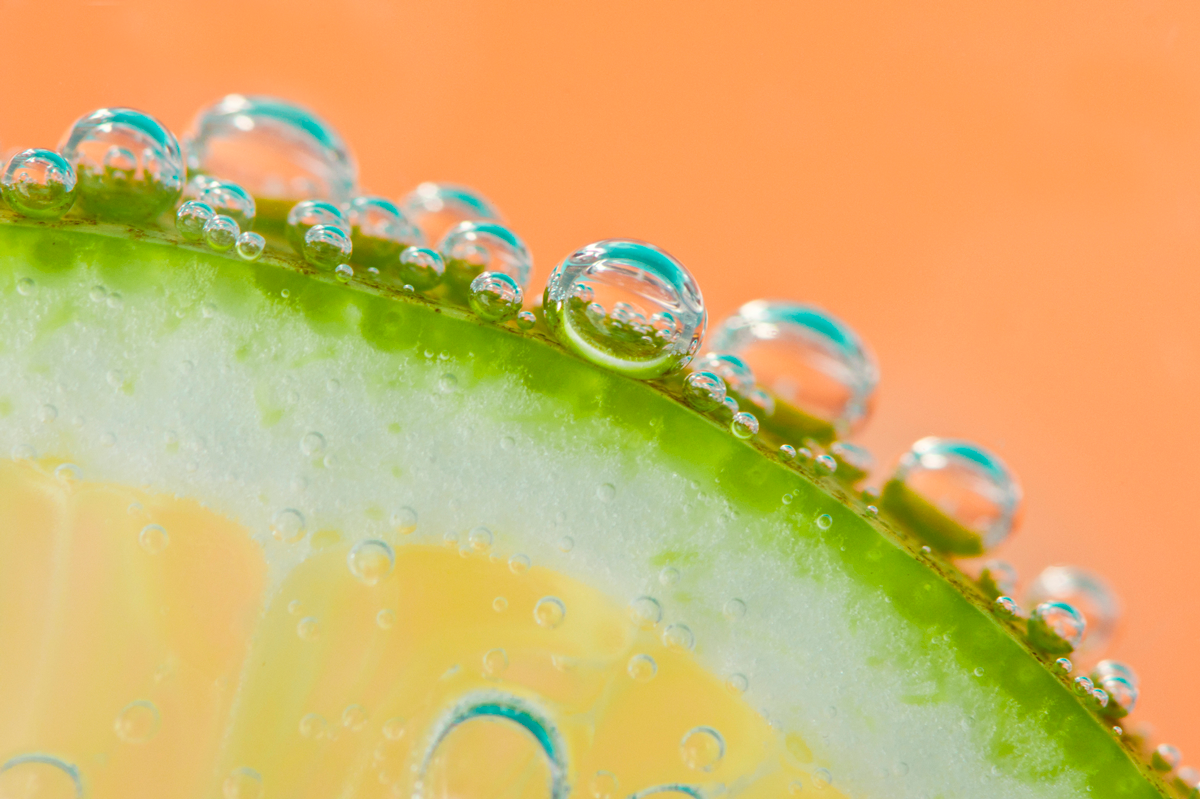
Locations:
929 592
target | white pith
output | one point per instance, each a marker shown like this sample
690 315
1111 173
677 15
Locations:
496 454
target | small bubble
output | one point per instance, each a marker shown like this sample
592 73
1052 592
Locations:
447 383
822 778
679 636
549 612
1101 697
153 539
787 452
1064 665
1120 683
1087 592
704 391
734 610
68 473
243 783
824 521
669 576
250 245
480 539
642 668
731 369
495 663
295 606
495 297
606 492
603 785
499 604
518 564
871 509
343 272
743 425
393 728
827 462
566 543
438 206
978 672
507 442
474 248
738 683
97 293
526 320
26 287
288 525
354 718
645 612
39 184
326 246
115 302
221 232
1056 627
404 521
312 444
1006 607
702 748
314 727
308 629
385 619
418 269
137 722
371 561
48 413
1083 685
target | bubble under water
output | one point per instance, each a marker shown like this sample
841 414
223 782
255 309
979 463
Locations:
272 148
1090 594
437 207
628 306
495 296
471 248
39 184
806 356
379 231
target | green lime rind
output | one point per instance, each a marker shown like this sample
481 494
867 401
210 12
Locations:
936 602
927 522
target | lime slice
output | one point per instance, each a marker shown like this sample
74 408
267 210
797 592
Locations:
266 534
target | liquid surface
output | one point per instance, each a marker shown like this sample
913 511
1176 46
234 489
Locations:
146 658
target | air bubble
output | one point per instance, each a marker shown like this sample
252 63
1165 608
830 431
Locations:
734 610
39 184
646 612
822 778
313 726
495 663
437 207
743 425
1120 683
976 492
379 231
393 728
997 577
1056 627
480 539
628 306
404 521
738 683
669 576
566 543
549 612
1064 665
642 668
787 453
272 148
1165 757
308 214
499 604
153 539
518 564
606 492
326 246
191 219
312 444
385 619
221 233
679 636
137 722
804 355
243 783
371 561
250 246
129 166
824 521
1086 591
40 776
224 197
702 748
735 373
603 785
495 296
1006 607
827 462
704 391
418 267
472 248
308 629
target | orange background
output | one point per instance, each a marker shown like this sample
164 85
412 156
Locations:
1004 201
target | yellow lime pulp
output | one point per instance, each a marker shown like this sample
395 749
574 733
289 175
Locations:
144 644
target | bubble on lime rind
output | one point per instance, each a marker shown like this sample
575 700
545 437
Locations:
448 202
308 213
744 425
224 197
39 184
191 218
704 391
627 306
1006 607
804 355
379 231
1120 683
421 268
495 297
273 148
854 461
251 245
473 247
738 376
957 496
996 578
1055 628
1087 591
221 232
128 165
1165 757
326 246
